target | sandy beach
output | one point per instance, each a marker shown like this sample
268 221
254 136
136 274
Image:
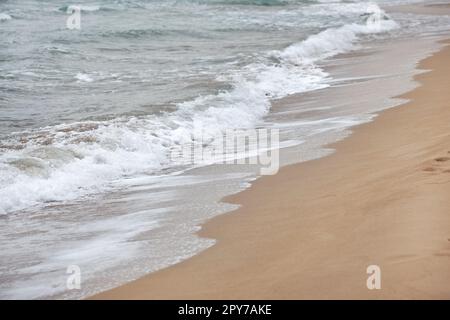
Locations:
251 149
311 231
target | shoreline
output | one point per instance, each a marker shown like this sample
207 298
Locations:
215 229
334 218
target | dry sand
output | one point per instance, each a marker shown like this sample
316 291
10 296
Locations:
310 231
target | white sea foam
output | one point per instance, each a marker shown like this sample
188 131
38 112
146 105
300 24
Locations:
83 77
86 8
68 161
4 16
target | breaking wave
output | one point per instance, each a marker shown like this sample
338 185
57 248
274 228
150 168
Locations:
68 161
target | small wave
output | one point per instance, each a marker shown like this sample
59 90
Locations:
135 33
55 50
83 8
139 33
334 41
83 77
5 17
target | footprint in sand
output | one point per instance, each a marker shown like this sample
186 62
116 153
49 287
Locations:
437 165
